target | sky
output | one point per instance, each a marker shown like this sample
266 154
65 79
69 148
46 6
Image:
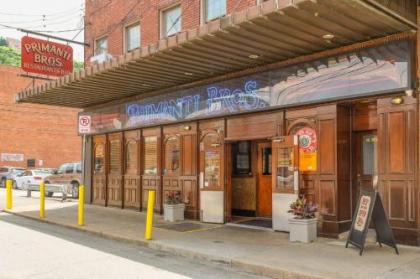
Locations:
44 15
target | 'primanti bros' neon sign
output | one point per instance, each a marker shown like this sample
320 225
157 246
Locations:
216 101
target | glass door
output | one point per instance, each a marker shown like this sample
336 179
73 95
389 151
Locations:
285 179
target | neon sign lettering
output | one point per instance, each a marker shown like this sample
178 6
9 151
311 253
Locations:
216 101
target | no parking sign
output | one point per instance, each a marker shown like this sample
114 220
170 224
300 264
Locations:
85 123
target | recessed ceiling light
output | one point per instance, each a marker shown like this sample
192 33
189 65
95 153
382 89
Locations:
188 74
253 56
328 36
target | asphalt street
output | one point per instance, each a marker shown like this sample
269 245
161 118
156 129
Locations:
31 249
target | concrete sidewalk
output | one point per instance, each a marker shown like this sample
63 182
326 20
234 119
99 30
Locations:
264 252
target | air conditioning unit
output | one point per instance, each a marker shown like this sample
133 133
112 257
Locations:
101 58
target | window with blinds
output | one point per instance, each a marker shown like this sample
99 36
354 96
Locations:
150 155
131 157
114 156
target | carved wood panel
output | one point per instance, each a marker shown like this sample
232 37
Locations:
151 183
99 170
115 169
132 167
99 189
397 134
132 191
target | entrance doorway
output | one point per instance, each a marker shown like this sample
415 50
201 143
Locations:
251 183
364 161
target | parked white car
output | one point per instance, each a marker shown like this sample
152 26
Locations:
29 177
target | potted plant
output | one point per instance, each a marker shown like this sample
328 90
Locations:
303 225
173 209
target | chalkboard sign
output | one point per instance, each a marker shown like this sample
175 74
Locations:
370 209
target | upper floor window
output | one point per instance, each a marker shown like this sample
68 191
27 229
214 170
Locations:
214 9
171 21
132 37
101 45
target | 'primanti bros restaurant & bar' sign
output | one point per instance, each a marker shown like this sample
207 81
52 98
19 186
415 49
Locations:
45 57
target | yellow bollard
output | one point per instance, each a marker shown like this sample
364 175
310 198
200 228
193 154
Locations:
149 217
42 200
9 195
81 217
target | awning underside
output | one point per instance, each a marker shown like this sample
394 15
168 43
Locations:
259 35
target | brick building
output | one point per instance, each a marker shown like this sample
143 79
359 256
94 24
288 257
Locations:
235 107
45 135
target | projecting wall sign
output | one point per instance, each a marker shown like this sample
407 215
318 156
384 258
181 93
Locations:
45 57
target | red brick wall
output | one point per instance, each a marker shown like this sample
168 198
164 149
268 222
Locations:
39 132
110 17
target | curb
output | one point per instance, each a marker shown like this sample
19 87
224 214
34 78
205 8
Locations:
230 262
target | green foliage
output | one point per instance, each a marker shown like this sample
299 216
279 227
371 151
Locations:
9 56
3 42
77 65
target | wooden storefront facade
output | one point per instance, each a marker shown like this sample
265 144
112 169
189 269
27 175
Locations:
208 115
356 138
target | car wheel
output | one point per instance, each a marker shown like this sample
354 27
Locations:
50 194
14 185
75 190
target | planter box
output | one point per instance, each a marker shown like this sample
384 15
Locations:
303 230
173 212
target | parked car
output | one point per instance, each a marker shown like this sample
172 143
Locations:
28 177
9 173
67 174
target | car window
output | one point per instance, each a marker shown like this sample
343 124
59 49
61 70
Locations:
40 172
27 173
79 168
69 168
62 169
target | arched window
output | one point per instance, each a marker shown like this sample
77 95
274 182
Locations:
99 155
150 155
172 156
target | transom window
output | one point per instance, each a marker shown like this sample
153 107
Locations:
101 46
171 21
132 37
214 9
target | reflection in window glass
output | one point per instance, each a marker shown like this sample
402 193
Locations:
242 158
171 21
150 158
132 37
172 152
131 157
266 161
99 158
211 161
214 9
369 154
114 156
101 46
285 169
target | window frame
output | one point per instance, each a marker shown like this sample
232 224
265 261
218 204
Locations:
203 13
96 44
235 153
125 36
162 20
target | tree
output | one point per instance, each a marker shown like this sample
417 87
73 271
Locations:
3 42
9 56
77 65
